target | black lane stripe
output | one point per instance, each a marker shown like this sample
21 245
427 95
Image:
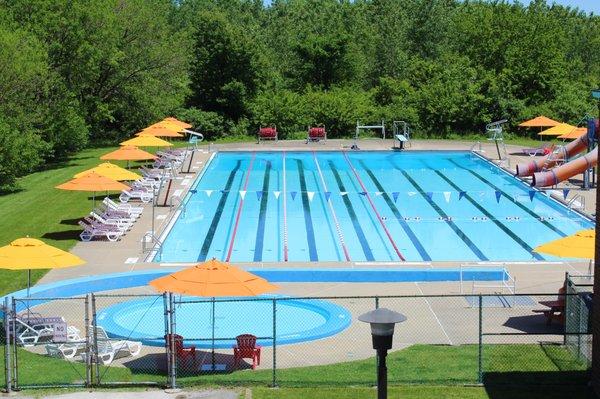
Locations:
210 235
424 255
359 231
440 212
511 199
260 229
310 232
491 217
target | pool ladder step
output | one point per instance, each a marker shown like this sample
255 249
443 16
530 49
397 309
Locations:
151 243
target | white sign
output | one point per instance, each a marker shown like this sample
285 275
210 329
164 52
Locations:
59 332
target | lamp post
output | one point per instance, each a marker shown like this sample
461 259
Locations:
382 323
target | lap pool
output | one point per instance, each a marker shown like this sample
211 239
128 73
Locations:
362 206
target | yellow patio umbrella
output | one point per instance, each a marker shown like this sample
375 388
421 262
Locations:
579 245
93 182
147 141
159 131
558 130
29 253
539 121
111 171
574 134
184 125
213 279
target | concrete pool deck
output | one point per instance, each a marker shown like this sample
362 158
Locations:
431 320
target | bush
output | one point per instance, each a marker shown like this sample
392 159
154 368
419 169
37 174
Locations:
210 124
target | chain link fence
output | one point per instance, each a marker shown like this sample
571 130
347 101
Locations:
166 340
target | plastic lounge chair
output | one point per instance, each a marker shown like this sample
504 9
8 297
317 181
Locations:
130 209
122 224
267 133
110 349
542 150
136 194
152 173
90 231
34 328
246 348
67 350
180 350
316 134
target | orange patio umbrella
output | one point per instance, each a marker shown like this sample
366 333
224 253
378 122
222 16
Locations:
93 182
540 121
574 134
166 124
159 131
184 125
213 279
128 153
146 141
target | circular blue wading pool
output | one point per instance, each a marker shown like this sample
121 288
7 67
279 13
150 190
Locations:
297 321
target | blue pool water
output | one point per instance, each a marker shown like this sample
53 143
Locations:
363 206
297 321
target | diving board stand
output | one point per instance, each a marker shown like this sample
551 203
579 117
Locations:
360 127
401 135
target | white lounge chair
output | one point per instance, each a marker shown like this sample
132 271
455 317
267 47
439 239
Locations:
34 329
136 194
97 230
123 207
110 349
121 223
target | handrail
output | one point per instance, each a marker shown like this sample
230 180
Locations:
577 202
149 237
477 144
181 204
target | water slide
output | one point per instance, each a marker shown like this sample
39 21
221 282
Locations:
556 175
544 176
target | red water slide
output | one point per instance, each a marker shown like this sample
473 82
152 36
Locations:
556 156
558 174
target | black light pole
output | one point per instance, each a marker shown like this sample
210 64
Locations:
382 323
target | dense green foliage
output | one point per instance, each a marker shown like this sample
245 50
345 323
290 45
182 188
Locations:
79 71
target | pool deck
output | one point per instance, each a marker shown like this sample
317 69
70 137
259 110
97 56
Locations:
435 321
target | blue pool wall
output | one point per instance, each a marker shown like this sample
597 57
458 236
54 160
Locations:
106 282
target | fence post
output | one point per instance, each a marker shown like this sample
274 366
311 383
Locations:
95 339
168 338
480 348
172 357
88 358
376 302
15 373
274 381
7 345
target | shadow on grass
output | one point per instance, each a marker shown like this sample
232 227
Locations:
547 385
63 235
70 222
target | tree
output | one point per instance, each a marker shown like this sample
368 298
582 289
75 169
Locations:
224 74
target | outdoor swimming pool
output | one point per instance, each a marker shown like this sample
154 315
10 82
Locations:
362 206
297 320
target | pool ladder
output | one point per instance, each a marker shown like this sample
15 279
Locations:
181 204
151 243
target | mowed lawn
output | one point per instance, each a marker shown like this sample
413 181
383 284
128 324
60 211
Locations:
39 210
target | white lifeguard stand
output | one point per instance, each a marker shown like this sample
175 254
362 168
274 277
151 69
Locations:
401 134
494 131
360 127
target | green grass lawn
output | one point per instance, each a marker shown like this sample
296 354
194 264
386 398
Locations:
433 365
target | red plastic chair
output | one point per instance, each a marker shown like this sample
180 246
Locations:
180 351
267 133
316 134
246 348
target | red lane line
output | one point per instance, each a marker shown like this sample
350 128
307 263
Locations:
335 219
285 238
374 208
239 212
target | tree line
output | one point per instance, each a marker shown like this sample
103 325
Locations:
81 72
